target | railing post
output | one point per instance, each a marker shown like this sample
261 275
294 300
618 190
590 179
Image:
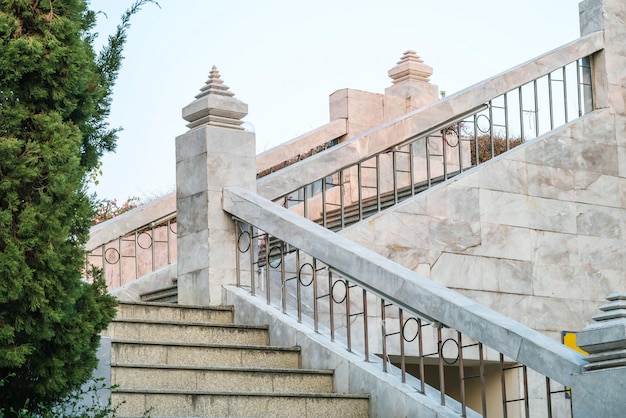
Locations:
609 84
599 389
214 153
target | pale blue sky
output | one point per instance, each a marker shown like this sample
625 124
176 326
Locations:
285 57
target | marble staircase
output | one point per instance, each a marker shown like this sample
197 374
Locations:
171 360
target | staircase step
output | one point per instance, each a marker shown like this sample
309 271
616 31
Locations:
221 404
189 332
169 312
165 295
223 379
130 351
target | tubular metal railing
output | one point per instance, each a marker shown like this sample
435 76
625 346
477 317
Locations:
361 189
136 253
420 350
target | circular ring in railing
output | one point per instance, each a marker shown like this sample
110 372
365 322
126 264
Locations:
112 255
147 244
273 254
417 330
457 351
174 226
300 274
332 291
481 120
244 237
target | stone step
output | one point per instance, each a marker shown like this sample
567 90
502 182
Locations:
188 332
130 351
164 295
223 379
170 312
222 404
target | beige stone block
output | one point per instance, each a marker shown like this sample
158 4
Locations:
503 175
495 241
554 151
556 248
602 222
453 236
527 211
597 254
621 160
190 144
551 182
597 189
454 201
600 159
193 251
193 287
191 176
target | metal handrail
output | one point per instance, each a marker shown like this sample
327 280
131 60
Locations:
309 253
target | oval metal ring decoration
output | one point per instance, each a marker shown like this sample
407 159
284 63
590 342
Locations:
457 351
272 253
300 274
416 332
116 255
139 240
478 123
345 287
241 239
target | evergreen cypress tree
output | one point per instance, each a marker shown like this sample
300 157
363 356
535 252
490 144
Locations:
55 96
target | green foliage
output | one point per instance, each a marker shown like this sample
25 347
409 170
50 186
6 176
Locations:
55 96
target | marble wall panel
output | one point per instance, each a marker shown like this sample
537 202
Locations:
597 189
191 175
194 257
551 182
508 175
590 156
192 214
556 248
452 235
527 211
600 221
190 145
503 241
621 160
598 254
455 201
491 275
555 151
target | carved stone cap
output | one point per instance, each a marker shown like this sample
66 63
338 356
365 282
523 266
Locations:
215 105
605 340
410 67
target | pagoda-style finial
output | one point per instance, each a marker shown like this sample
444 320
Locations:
410 67
215 105
214 85
410 79
605 339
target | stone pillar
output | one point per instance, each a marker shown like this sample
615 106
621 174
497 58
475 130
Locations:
609 65
214 153
599 389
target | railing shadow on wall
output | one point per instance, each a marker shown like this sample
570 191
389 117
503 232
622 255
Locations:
459 132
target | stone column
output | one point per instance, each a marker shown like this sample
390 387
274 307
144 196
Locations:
599 389
609 65
214 153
